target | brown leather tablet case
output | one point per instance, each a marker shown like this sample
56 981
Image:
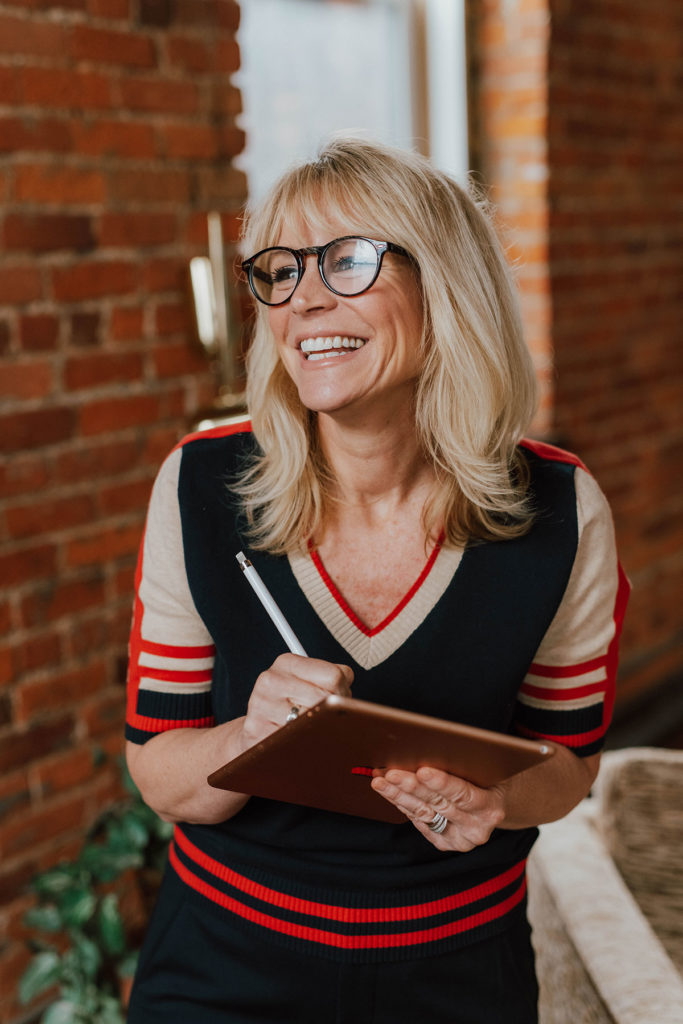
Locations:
324 757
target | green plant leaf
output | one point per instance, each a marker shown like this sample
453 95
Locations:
85 955
77 906
110 1012
110 924
135 831
46 918
56 880
61 1012
128 965
42 972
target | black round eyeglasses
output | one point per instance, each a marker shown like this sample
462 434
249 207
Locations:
347 266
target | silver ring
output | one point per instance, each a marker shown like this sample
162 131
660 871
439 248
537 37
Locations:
438 823
293 713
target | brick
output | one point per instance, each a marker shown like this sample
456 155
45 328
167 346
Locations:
115 414
96 460
14 793
84 329
19 747
189 142
194 55
8 666
93 280
105 46
23 474
64 771
228 56
42 823
153 186
27 380
58 185
30 37
20 565
6 617
36 429
172 318
126 323
165 275
49 515
5 337
115 9
157 13
31 134
59 691
178 360
54 601
38 332
59 88
105 716
115 138
103 546
47 232
125 497
20 284
92 634
102 368
137 229
14 880
158 95
42 651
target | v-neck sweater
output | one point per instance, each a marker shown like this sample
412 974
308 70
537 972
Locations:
519 636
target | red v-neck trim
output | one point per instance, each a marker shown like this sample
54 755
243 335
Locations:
348 610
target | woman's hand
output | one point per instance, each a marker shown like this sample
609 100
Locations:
540 794
291 682
471 813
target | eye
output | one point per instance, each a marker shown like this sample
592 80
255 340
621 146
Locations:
281 275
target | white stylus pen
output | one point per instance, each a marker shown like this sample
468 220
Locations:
266 599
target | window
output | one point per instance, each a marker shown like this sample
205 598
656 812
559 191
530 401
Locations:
389 69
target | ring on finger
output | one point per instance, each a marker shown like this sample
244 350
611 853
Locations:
293 713
438 823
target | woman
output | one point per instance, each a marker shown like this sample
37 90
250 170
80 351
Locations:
426 559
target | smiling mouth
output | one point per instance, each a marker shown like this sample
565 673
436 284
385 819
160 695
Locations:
320 348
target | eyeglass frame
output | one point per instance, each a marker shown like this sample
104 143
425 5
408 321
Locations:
381 248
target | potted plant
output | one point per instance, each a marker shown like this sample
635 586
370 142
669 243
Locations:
88 944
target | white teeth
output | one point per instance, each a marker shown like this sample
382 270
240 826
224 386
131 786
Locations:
316 347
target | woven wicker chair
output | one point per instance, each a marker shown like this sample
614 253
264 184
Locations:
606 897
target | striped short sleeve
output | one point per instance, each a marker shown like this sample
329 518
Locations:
171 651
568 693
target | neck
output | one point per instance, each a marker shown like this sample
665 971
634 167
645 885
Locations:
378 467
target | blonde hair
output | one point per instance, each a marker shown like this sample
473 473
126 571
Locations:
477 391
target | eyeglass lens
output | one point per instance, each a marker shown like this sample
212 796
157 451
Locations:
349 266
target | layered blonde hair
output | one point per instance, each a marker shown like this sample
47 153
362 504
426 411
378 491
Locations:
477 390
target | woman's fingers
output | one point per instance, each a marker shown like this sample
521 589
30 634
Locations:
463 815
292 681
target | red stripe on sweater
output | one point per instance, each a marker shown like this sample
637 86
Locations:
572 693
328 938
566 671
178 651
358 623
334 912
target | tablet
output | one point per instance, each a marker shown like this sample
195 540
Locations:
324 758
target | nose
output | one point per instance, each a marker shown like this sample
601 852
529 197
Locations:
312 293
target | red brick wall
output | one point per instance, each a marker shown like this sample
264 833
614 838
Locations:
592 91
615 143
116 136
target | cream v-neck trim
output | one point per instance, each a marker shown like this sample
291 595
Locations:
367 647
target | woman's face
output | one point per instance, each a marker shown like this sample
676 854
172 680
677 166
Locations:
379 374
